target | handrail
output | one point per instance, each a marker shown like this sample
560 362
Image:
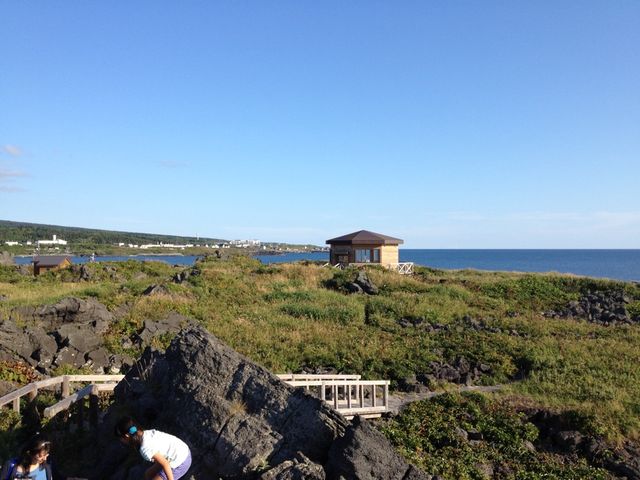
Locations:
344 393
403 268
316 376
32 388
317 383
79 395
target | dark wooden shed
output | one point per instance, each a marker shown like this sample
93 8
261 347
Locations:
50 262
364 246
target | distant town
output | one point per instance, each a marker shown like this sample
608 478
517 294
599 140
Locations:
56 243
26 239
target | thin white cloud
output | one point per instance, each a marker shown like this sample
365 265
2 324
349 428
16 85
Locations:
11 189
4 174
6 180
171 164
12 150
588 229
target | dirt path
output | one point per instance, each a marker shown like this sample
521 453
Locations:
399 400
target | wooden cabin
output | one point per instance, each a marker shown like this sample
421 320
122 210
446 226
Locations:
364 247
50 262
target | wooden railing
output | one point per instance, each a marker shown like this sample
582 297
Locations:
347 394
404 268
99 383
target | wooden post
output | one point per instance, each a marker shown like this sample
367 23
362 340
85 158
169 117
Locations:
16 405
80 413
335 396
361 395
33 394
323 394
348 387
93 407
65 386
373 395
385 396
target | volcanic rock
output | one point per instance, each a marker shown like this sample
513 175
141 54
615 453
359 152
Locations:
241 421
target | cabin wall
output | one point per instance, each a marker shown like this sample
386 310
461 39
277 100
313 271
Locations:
38 269
389 254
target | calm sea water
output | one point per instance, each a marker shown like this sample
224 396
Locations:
615 264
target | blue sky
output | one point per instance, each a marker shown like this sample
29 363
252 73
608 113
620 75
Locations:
493 124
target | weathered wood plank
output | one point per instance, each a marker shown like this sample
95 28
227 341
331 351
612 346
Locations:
80 394
94 378
303 377
16 394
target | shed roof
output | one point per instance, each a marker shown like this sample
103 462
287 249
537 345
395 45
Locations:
364 237
50 260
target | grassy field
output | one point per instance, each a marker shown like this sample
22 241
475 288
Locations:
290 316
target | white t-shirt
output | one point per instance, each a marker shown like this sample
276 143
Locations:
170 447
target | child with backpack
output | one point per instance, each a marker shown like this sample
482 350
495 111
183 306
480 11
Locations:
171 457
32 463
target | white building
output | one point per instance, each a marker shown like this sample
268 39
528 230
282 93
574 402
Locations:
12 244
245 243
55 241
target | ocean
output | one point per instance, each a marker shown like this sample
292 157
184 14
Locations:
614 264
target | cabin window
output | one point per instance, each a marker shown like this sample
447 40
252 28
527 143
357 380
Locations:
369 255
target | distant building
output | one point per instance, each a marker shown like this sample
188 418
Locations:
55 241
12 244
50 262
364 247
245 243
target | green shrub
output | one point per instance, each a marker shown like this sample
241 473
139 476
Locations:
343 314
432 434
634 309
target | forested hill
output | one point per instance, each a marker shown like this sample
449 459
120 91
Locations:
22 232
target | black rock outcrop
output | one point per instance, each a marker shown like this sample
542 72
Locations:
241 421
604 308
559 434
70 332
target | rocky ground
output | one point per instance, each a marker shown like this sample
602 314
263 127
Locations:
604 308
241 421
70 332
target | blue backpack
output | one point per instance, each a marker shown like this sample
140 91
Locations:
10 467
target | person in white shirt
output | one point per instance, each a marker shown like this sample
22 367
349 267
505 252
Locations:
171 457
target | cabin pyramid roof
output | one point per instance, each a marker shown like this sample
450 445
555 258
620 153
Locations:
50 260
364 237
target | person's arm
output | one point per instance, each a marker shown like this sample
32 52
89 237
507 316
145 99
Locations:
164 464
152 471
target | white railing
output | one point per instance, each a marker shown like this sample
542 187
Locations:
404 268
99 383
289 377
345 393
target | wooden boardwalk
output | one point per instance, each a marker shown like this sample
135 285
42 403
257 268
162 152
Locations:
347 394
96 385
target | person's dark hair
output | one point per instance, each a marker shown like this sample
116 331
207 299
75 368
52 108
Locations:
36 445
125 426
